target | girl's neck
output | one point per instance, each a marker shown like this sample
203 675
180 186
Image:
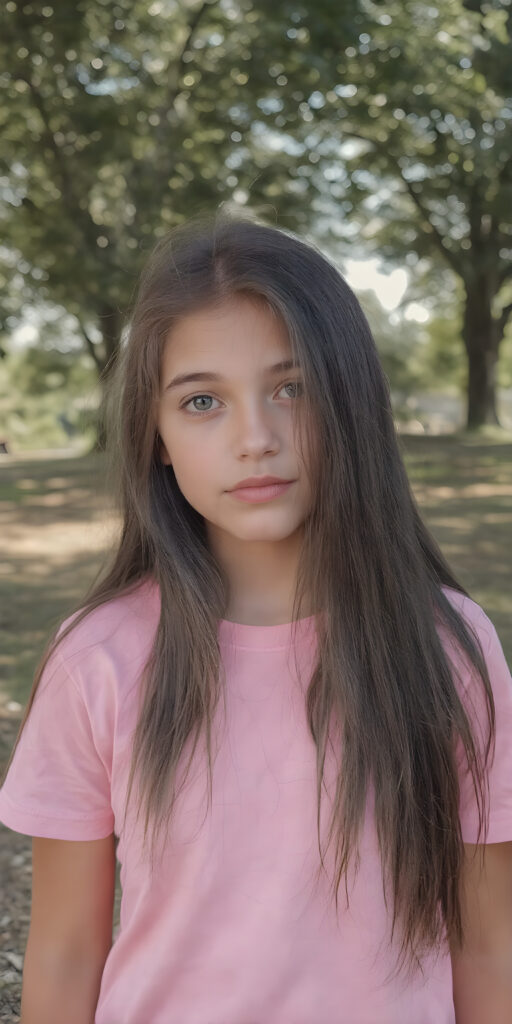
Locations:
260 617
261 577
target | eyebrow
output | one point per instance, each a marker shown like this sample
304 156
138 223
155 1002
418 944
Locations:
188 378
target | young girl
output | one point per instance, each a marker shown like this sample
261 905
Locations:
279 709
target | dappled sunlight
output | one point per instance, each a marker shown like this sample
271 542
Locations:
57 529
454 551
58 481
480 490
452 523
56 542
27 485
56 498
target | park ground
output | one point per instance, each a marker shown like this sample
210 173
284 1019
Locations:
57 522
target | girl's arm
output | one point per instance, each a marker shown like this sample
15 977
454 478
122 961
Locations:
70 930
482 970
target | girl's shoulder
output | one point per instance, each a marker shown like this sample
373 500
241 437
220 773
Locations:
498 770
465 673
473 615
113 640
132 609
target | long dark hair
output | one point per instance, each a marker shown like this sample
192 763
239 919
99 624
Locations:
368 562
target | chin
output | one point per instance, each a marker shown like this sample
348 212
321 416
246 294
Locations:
265 535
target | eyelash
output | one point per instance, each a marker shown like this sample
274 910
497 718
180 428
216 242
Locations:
203 412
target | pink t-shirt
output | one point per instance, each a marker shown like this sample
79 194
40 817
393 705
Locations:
231 928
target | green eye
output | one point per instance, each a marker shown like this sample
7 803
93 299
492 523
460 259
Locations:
295 384
194 398
194 411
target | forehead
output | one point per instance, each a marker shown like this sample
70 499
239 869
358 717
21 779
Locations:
242 331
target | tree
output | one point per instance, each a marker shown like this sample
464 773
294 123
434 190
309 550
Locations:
103 150
390 123
407 132
119 121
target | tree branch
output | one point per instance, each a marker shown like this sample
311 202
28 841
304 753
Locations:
192 28
180 63
64 177
91 347
77 212
505 273
161 174
49 138
505 171
455 263
504 318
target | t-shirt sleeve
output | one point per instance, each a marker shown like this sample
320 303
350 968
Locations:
500 772
58 784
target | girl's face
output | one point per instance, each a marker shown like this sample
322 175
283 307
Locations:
217 432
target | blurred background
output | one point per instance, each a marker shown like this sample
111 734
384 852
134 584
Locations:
380 132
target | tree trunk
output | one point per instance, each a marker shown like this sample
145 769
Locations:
110 323
481 339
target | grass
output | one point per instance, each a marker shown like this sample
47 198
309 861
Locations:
464 490
56 525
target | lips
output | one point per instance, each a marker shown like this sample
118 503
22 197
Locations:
255 495
260 481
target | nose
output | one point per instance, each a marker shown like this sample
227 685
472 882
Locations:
255 430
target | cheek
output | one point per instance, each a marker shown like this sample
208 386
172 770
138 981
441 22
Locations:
183 446
195 468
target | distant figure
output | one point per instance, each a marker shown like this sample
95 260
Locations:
4 448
